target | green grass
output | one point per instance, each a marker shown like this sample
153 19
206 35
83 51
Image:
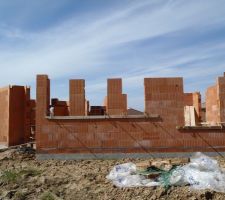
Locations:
12 176
9 176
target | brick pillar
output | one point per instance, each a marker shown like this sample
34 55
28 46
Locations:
77 97
116 102
212 106
42 104
164 96
4 115
114 86
221 97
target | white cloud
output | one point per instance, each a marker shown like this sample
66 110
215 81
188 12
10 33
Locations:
82 45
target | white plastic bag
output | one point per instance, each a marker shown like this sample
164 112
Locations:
204 173
124 176
128 181
203 162
121 171
177 177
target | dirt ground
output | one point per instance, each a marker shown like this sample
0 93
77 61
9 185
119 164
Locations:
23 177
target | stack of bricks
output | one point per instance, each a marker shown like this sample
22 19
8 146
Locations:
116 102
164 96
60 107
194 99
77 97
97 110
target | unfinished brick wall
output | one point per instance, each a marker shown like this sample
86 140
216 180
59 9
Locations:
122 136
163 96
16 115
4 115
77 97
188 99
215 102
115 102
42 106
221 84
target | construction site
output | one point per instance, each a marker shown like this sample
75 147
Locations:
54 149
172 122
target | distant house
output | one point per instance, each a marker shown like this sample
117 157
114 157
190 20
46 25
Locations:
132 111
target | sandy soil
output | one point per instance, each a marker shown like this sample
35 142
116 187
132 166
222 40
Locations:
23 177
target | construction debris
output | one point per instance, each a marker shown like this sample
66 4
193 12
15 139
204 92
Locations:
24 177
162 165
142 166
179 161
165 164
201 172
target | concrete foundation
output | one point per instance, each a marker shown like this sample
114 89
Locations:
109 156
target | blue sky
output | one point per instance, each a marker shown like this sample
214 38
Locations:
100 39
